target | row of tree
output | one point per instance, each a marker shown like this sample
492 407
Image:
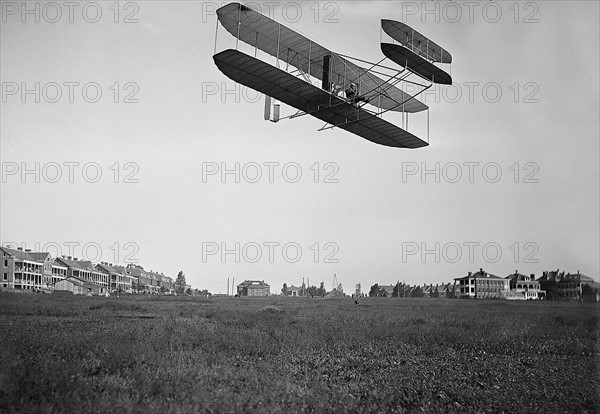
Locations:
399 289
306 291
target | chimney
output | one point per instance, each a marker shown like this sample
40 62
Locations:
69 257
75 259
20 248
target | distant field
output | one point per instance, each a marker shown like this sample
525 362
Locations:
184 354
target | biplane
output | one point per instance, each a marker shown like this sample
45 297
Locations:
330 86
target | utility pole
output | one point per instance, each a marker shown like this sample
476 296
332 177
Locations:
232 285
227 286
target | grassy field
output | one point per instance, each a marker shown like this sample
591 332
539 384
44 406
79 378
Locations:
185 354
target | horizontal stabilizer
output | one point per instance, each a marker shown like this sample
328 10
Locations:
415 63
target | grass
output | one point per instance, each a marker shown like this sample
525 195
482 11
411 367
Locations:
185 354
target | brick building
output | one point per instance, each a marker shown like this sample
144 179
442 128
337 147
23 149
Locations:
24 269
253 288
482 285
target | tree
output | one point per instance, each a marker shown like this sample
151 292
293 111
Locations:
374 290
284 289
357 291
399 290
180 283
312 291
321 291
189 291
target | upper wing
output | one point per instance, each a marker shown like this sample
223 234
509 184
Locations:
295 49
303 96
409 37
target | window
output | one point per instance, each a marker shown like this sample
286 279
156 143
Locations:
6 263
5 276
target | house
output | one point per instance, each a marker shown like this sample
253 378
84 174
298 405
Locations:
415 291
549 283
388 289
141 281
24 269
159 283
482 285
444 290
441 290
428 291
253 288
118 278
573 287
523 287
293 291
79 286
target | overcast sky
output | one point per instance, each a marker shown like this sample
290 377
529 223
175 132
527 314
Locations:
117 154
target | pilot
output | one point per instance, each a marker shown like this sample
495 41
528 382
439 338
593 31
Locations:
352 94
